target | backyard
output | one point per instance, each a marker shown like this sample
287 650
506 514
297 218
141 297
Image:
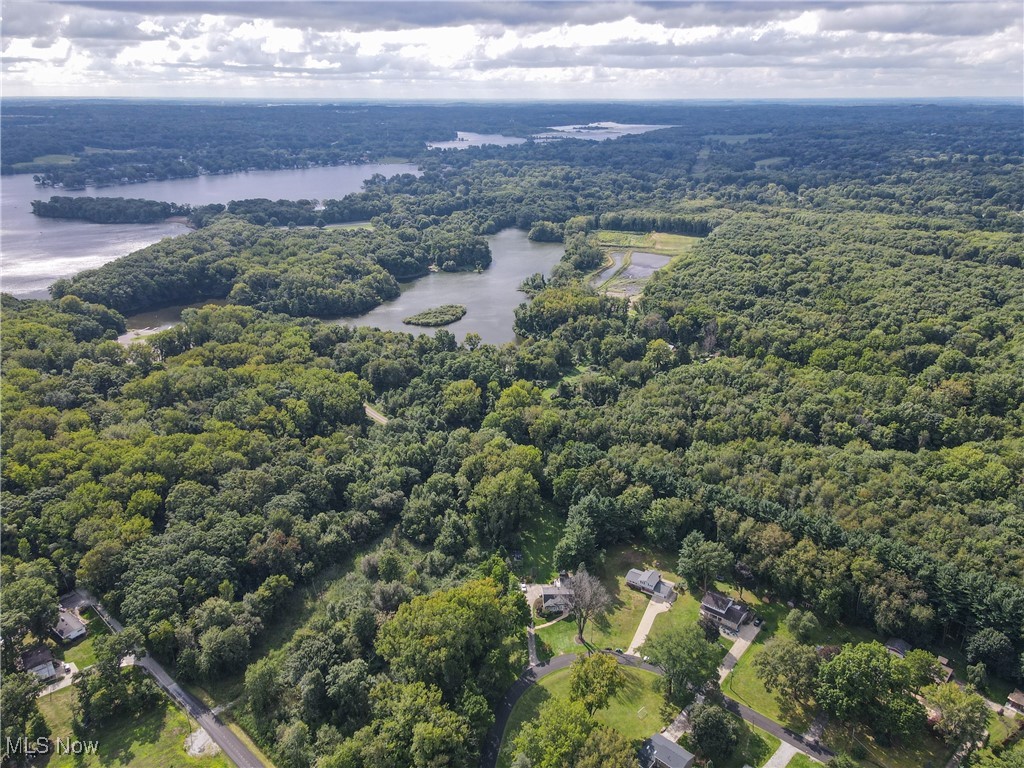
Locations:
635 711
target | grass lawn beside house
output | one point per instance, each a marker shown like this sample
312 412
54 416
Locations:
151 739
638 695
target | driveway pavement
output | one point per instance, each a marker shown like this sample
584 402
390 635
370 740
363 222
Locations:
782 756
654 607
740 644
63 682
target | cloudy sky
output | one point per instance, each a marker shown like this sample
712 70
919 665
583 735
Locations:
515 50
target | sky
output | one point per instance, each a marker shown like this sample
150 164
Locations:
512 50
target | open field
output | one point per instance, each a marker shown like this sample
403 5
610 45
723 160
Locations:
153 739
638 695
632 257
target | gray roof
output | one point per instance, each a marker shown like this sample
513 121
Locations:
36 657
898 646
68 624
724 607
666 752
648 579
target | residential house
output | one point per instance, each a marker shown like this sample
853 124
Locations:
40 662
555 600
650 583
659 752
69 627
727 613
897 647
1015 701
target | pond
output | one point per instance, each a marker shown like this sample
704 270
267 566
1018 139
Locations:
38 251
490 297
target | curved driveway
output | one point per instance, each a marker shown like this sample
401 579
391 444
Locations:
492 742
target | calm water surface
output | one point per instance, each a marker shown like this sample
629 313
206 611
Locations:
490 297
467 139
34 252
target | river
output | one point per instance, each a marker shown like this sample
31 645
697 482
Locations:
490 297
35 251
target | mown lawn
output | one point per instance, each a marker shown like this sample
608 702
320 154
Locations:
801 761
745 686
634 711
81 652
924 752
537 543
616 628
999 727
153 739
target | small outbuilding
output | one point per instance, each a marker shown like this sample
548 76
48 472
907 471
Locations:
69 627
724 611
659 752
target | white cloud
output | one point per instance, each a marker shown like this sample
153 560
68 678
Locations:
526 50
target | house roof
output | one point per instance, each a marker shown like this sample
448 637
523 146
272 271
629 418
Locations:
649 578
666 752
724 607
1017 697
36 657
68 624
898 646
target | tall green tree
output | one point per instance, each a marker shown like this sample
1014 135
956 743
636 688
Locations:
689 660
594 679
702 561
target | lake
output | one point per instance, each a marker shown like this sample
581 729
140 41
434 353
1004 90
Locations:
490 297
467 139
36 251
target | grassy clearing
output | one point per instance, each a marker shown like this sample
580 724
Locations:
616 628
684 612
994 688
153 739
537 543
1001 726
924 752
46 160
638 694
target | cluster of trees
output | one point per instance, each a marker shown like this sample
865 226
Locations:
338 272
108 210
391 679
865 684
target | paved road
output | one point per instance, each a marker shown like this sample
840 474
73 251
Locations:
375 415
492 742
232 746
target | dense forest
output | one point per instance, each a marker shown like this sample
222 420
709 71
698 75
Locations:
829 385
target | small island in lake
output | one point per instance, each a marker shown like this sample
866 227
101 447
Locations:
437 316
